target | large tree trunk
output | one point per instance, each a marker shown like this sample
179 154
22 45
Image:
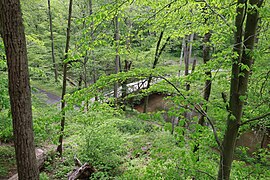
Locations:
239 84
208 82
19 88
63 103
52 42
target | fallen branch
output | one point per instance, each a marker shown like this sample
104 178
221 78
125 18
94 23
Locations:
85 171
81 171
71 82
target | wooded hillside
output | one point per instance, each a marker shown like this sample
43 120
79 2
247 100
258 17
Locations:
135 89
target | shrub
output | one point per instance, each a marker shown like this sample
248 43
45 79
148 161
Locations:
104 146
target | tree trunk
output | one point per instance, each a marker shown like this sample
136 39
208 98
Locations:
127 62
95 80
80 82
60 146
117 57
90 9
85 59
52 42
124 84
208 82
94 73
186 60
181 55
188 52
19 88
239 84
193 65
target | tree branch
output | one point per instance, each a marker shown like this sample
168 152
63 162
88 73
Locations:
157 48
212 177
161 9
163 47
158 54
264 82
255 119
110 12
211 8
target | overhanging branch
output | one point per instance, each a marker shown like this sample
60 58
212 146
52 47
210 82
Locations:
255 119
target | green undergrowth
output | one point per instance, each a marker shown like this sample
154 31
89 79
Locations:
46 120
7 161
5 114
129 147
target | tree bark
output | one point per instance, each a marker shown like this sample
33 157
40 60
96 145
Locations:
239 83
63 103
52 42
19 88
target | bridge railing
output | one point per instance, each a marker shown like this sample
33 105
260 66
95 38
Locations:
133 87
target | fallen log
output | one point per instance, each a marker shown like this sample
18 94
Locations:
41 155
81 171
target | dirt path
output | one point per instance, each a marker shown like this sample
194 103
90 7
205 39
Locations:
51 98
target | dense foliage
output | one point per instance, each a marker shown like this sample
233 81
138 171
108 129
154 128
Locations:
109 133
